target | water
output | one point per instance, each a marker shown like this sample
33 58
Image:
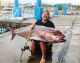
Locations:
3 30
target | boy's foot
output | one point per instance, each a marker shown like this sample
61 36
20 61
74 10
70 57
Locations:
43 61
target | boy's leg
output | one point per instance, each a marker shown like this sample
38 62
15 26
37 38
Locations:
33 45
43 49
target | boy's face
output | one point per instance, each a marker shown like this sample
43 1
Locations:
45 16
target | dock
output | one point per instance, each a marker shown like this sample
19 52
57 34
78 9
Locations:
67 52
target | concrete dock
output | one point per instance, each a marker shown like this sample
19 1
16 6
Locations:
67 52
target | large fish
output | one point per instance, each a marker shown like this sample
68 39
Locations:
41 33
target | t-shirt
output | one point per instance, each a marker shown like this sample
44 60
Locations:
47 24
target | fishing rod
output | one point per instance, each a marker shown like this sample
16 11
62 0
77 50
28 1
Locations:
26 47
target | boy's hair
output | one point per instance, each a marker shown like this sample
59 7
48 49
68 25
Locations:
48 13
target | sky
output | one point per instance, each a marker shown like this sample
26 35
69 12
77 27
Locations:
76 2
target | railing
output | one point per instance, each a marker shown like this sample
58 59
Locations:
3 29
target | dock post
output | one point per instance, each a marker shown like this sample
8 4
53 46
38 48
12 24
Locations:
16 10
65 10
56 10
38 10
